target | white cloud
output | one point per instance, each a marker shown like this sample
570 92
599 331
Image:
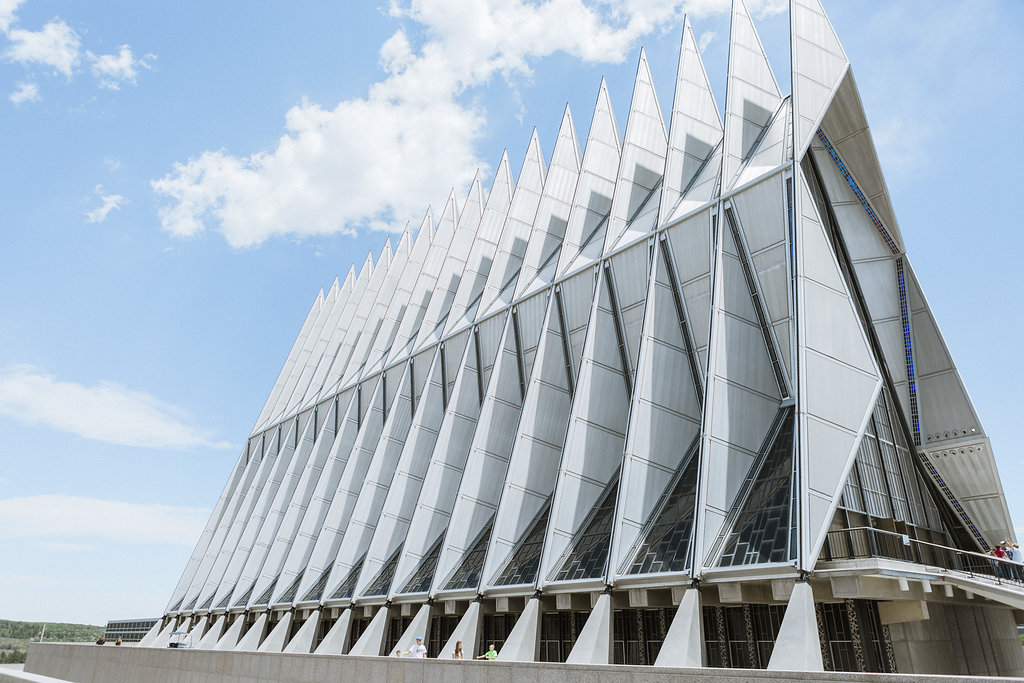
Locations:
25 92
705 40
110 202
113 70
106 412
380 160
55 45
7 10
56 517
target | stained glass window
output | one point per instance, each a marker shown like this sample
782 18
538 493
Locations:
761 532
588 555
424 574
382 582
524 564
666 541
317 591
348 586
468 573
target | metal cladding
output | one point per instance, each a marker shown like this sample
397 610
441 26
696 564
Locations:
673 355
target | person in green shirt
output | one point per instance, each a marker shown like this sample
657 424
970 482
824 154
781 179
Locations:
491 653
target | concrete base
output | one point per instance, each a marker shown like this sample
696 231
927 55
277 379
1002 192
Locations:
798 647
522 644
684 642
278 638
86 663
336 640
468 631
594 644
302 643
959 639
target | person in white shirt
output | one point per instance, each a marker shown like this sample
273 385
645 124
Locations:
417 650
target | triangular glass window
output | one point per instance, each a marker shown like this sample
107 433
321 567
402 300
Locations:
348 586
227 598
317 591
588 554
467 575
289 595
267 594
762 531
524 564
244 600
665 543
381 584
421 579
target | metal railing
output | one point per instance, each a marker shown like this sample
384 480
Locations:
861 542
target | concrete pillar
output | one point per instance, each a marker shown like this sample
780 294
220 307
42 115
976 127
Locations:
798 647
150 635
162 636
468 631
522 644
372 640
684 642
336 640
594 644
198 631
208 641
165 636
252 638
302 643
419 627
231 636
277 638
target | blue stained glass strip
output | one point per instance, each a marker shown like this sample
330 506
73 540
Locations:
857 191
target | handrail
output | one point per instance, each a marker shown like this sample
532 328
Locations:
860 542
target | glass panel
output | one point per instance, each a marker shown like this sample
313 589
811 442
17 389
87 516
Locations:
420 580
761 532
382 582
588 556
522 567
666 543
317 591
349 584
467 575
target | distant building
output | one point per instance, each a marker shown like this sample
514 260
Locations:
671 399
128 630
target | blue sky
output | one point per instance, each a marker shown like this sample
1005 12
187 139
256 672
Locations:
178 182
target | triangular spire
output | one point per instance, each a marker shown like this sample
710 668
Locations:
752 97
642 165
515 234
696 126
593 201
553 212
819 64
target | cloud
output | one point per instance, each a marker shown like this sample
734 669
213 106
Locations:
379 160
56 517
105 412
7 10
113 70
55 45
25 92
110 202
705 40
